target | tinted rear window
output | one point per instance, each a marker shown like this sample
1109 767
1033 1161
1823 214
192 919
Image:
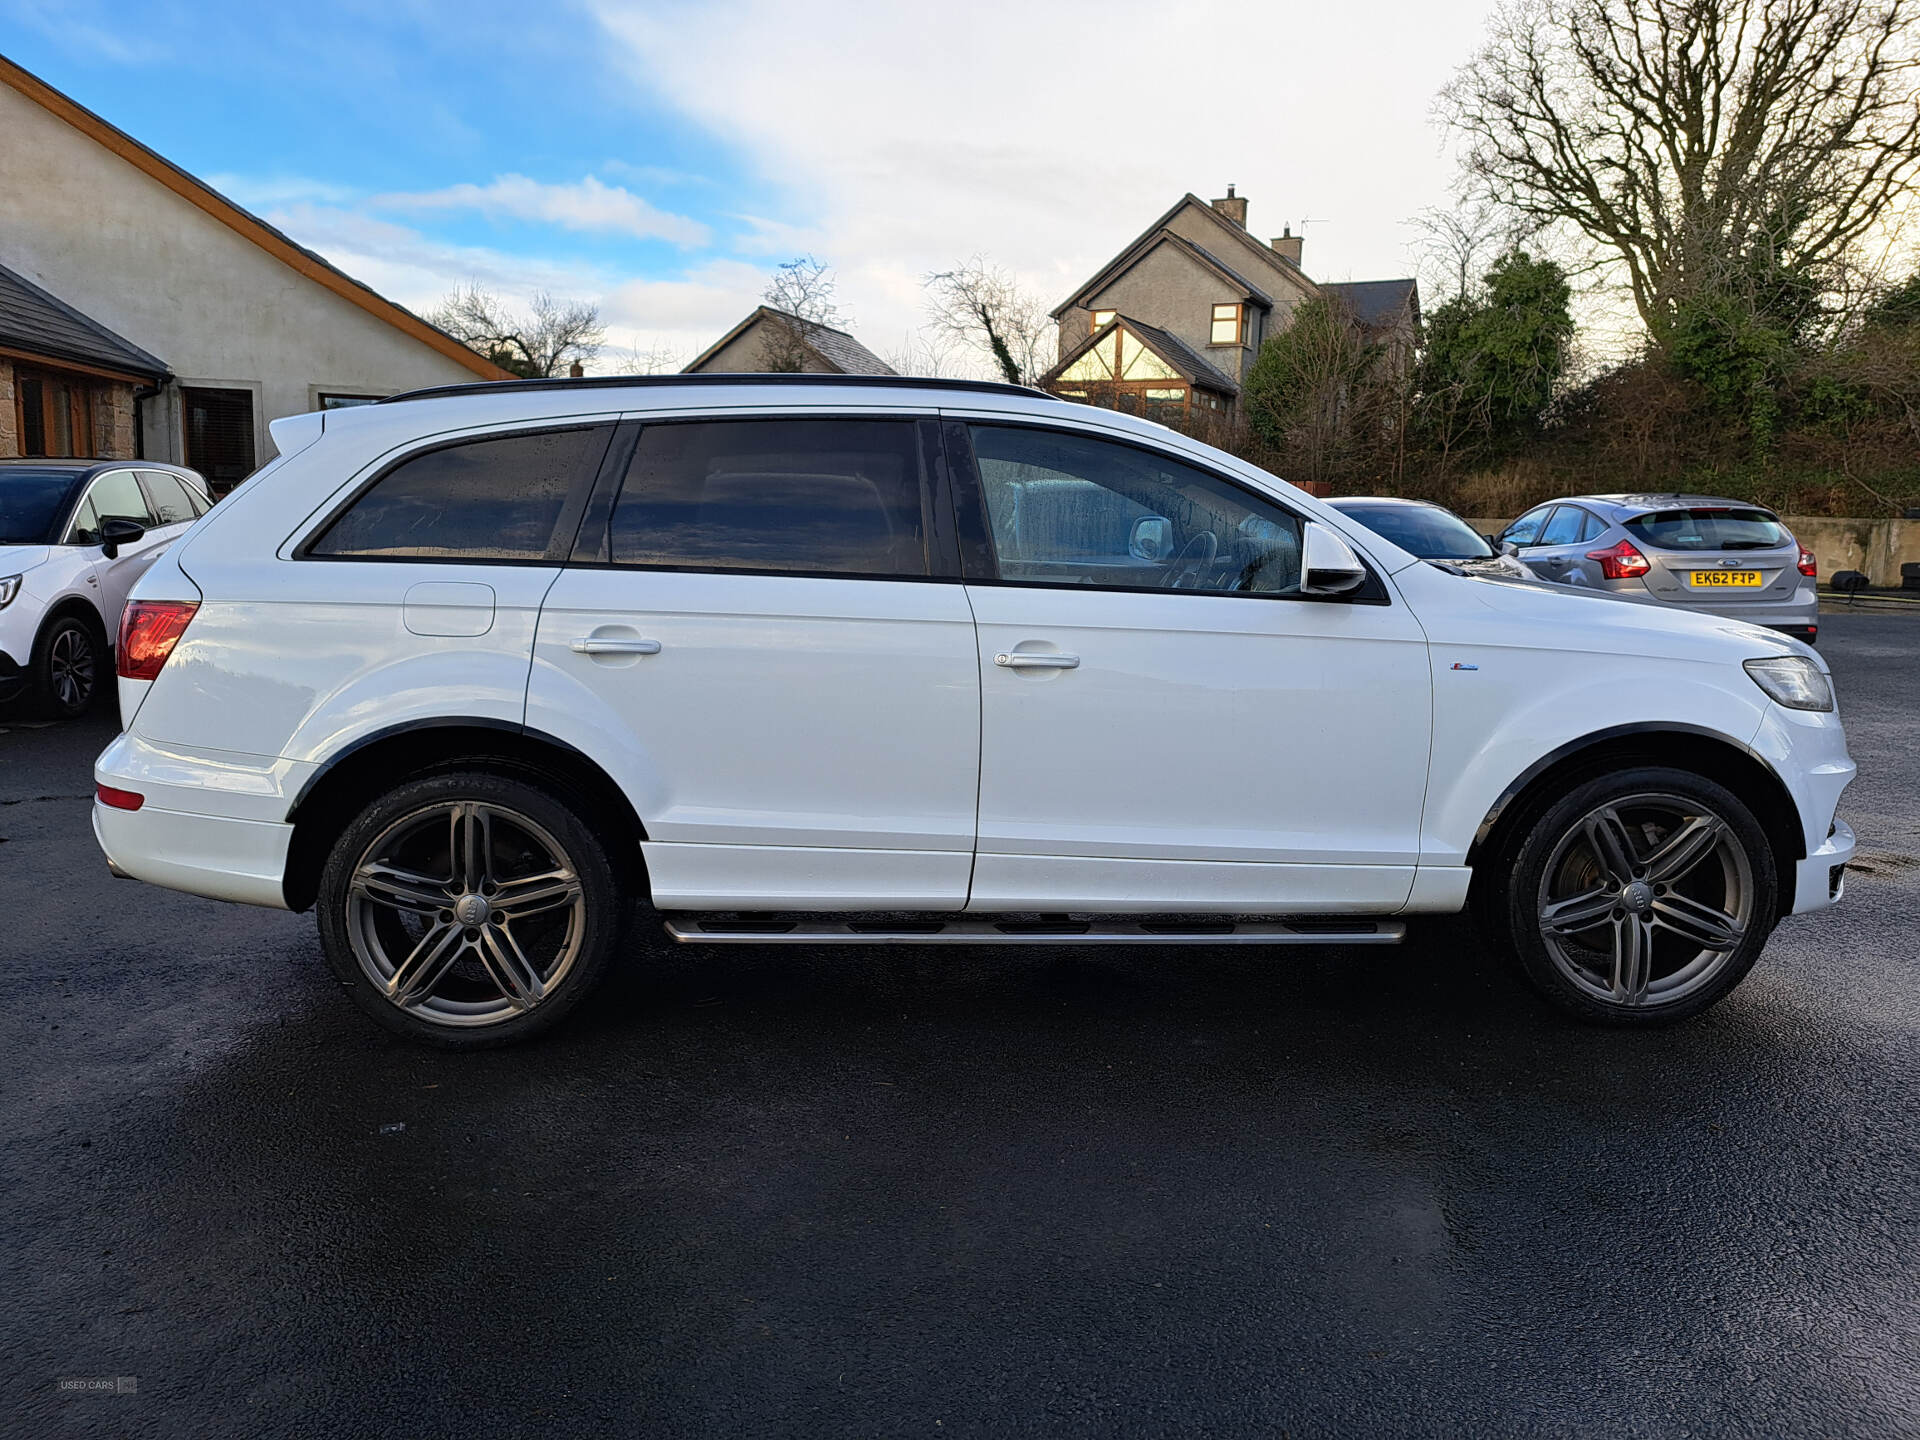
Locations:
830 497
493 499
1709 529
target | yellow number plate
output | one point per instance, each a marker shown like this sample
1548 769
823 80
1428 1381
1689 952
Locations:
1723 579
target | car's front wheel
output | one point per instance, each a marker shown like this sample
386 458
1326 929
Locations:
469 909
69 661
1639 898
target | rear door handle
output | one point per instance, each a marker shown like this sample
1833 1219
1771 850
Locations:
588 645
1021 660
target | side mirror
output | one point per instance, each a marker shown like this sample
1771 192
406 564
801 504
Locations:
1508 548
1328 564
1152 538
115 533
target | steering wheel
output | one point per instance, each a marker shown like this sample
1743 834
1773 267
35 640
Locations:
1194 557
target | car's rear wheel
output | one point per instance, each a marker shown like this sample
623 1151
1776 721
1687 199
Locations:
469 909
1639 898
69 660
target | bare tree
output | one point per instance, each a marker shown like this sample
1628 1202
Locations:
801 295
930 356
1696 141
538 343
982 307
658 358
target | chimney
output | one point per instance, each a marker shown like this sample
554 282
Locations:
1234 208
575 370
1287 247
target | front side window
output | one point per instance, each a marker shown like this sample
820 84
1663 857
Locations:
823 497
1073 510
493 499
1226 324
1526 530
115 495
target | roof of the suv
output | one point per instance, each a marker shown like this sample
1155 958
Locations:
632 382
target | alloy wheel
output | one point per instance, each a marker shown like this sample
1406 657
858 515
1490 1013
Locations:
1646 899
465 913
70 667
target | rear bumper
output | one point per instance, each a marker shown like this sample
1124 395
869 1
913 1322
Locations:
213 822
223 859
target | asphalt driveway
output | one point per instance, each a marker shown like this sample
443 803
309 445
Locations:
953 1192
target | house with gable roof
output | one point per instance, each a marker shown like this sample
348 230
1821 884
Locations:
1170 326
143 315
746 348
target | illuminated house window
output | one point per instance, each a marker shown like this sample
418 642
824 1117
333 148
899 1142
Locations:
1226 324
1101 317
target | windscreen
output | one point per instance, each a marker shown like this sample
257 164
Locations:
1709 529
1423 530
31 502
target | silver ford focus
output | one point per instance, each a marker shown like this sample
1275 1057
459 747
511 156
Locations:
1700 552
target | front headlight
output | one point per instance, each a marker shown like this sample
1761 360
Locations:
1793 681
9 587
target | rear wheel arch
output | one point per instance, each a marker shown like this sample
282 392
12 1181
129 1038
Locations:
1703 752
348 782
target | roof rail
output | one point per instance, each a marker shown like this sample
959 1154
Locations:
621 382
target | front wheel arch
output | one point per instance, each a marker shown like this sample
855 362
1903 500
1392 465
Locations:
1703 752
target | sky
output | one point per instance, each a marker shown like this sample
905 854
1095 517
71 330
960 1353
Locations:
659 159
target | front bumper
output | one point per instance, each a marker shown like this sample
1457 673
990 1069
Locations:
14 678
1820 879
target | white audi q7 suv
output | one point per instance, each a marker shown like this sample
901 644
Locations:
481 674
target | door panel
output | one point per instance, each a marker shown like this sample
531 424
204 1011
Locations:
1278 748
756 645
784 729
1199 736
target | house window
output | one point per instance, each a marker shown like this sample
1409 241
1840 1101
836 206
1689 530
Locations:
331 401
54 413
219 434
1226 324
1101 317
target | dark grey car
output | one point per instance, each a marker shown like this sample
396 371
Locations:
1724 557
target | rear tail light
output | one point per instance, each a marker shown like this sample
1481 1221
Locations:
1622 562
149 629
119 799
1809 566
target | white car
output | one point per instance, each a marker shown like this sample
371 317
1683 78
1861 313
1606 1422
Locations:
74 536
854 661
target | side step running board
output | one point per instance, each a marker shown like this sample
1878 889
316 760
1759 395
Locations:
992 932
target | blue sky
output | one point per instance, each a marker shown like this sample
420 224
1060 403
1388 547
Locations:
660 158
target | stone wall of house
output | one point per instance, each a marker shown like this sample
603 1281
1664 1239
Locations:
113 420
9 414
1170 288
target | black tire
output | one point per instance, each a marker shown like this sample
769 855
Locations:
1665 912
376 900
71 666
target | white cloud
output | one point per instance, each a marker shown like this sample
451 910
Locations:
585 205
682 315
258 192
906 138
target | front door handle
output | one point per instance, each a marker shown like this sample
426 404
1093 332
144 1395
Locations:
1023 660
589 645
